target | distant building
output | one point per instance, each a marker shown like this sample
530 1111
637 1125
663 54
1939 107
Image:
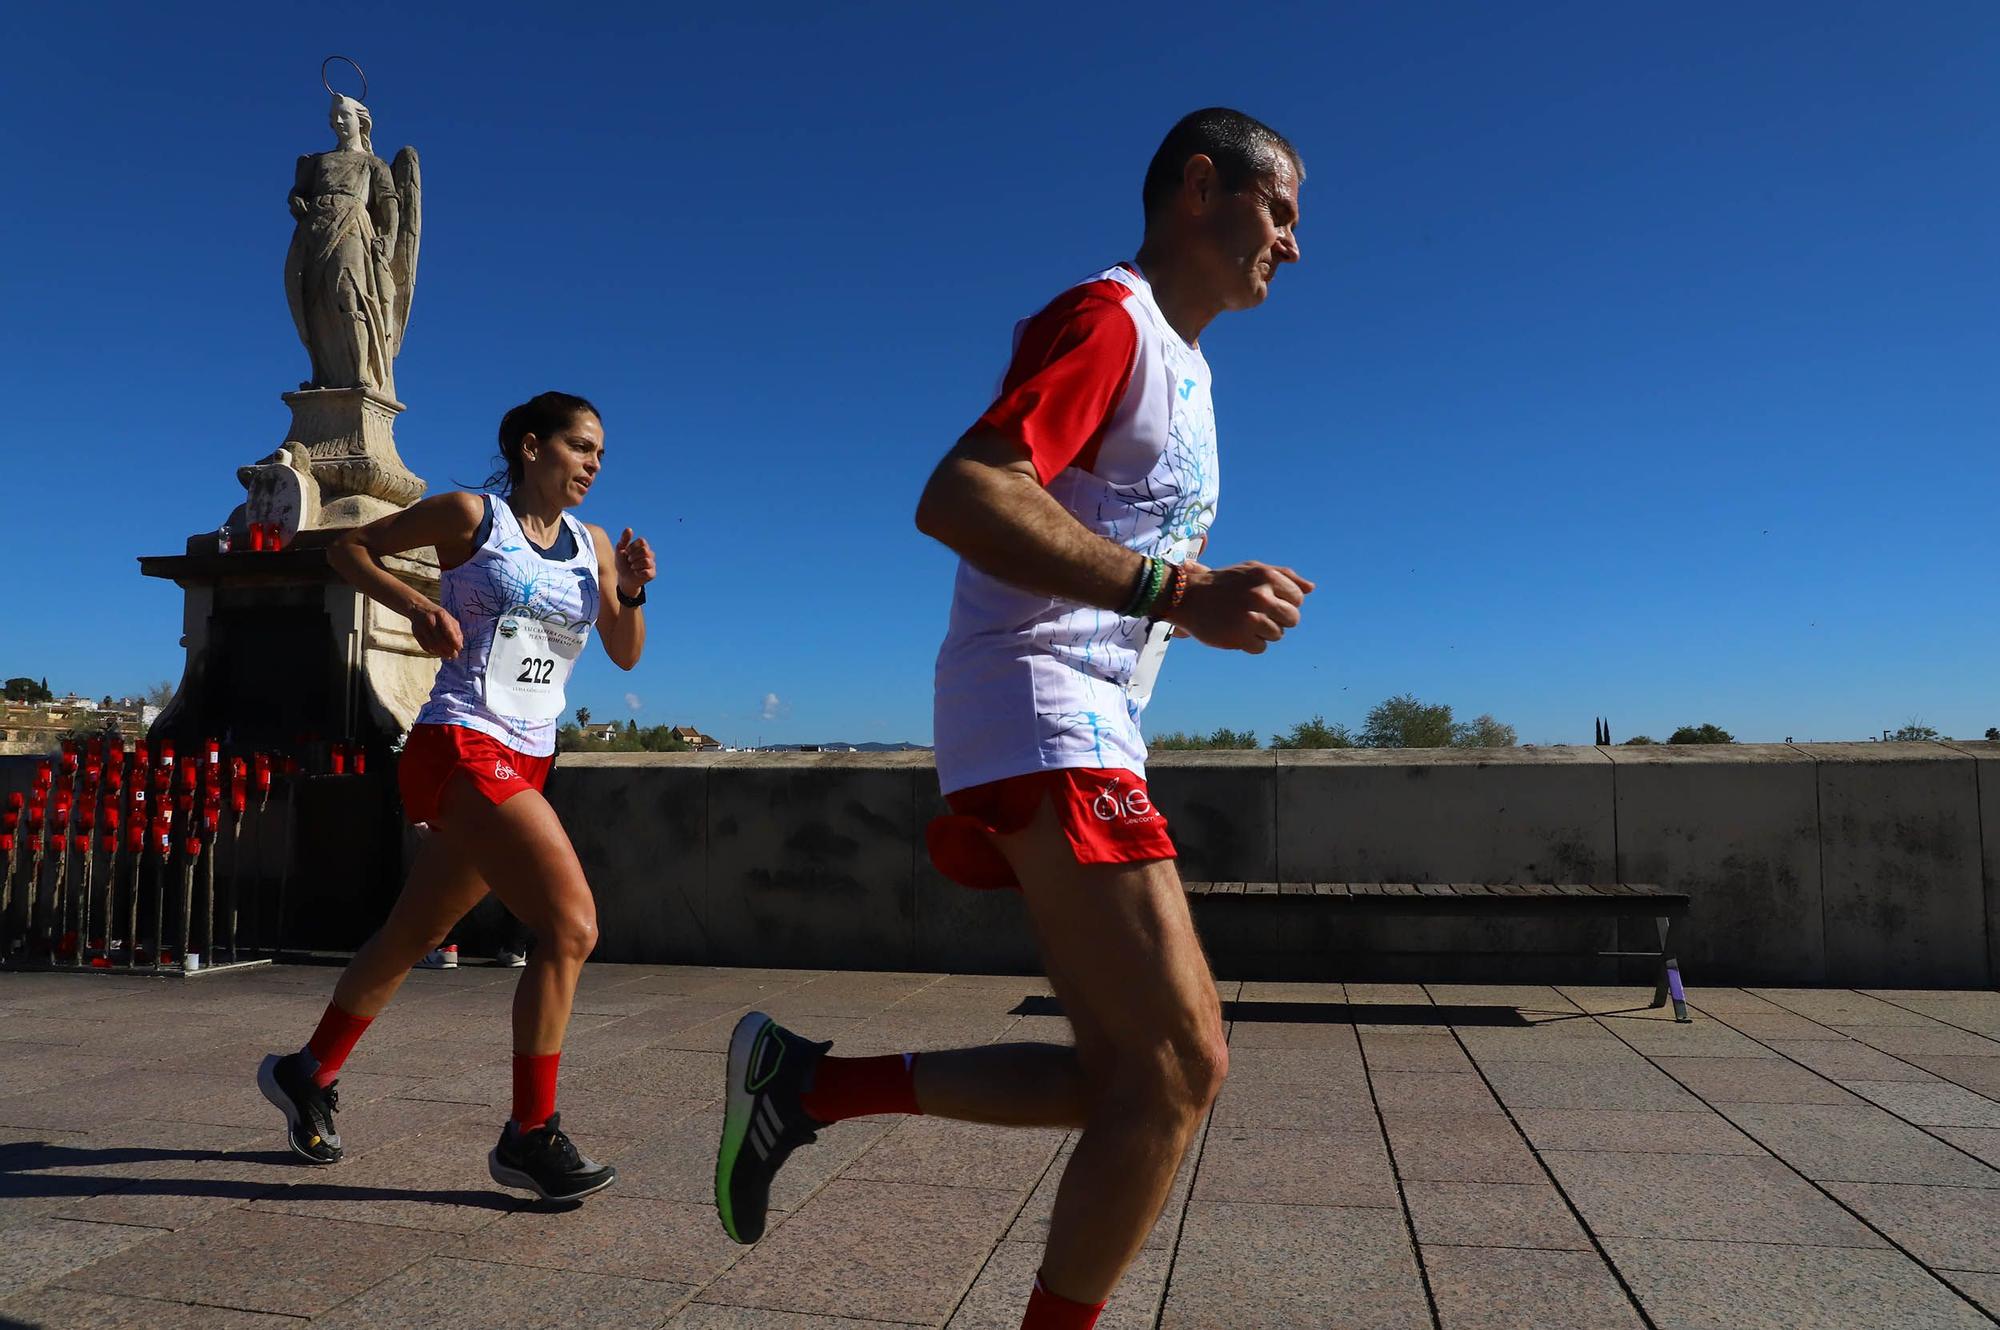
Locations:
695 739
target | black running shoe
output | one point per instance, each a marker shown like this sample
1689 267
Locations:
769 1069
308 1108
546 1162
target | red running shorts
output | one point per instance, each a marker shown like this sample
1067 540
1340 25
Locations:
434 754
1108 816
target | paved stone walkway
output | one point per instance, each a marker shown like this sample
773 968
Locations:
1383 1156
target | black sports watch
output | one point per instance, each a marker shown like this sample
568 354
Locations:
631 602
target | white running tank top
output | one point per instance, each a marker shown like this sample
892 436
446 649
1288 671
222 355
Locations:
1029 683
526 618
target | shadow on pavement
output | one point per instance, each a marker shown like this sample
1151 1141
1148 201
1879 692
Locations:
1346 1013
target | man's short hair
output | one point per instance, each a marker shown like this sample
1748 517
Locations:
1242 148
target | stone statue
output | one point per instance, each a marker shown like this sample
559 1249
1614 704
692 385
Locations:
353 261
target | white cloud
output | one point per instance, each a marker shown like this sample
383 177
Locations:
772 706
632 702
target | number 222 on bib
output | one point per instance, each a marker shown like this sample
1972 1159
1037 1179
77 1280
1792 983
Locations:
529 666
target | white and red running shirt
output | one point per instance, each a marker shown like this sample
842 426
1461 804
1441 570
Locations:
1114 409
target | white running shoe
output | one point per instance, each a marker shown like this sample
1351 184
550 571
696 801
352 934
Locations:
443 958
512 960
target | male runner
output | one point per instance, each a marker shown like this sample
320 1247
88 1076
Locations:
1078 504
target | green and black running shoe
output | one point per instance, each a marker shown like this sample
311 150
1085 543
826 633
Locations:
546 1162
769 1069
308 1108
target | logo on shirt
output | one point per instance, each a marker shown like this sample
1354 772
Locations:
1187 386
501 771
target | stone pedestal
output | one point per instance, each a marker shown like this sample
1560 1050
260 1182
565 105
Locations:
347 435
278 646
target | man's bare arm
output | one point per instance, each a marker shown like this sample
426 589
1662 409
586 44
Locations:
986 502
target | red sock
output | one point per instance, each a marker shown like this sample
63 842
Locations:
534 1088
1048 1311
338 1033
846 1088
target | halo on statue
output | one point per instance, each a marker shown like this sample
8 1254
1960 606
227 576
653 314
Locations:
351 65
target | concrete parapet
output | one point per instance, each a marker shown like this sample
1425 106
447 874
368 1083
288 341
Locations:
1986 774
1737 827
1858 864
1900 871
1445 815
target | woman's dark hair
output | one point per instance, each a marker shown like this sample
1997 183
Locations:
544 415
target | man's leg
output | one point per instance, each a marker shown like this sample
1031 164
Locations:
1122 954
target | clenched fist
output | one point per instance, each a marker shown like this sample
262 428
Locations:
437 632
636 565
1244 607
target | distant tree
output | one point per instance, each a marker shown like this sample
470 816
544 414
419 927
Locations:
85 724
1993 733
1640 739
160 693
27 690
1316 733
1701 734
1484 732
1221 738
582 717
1916 730
632 728
1404 722
569 738
107 703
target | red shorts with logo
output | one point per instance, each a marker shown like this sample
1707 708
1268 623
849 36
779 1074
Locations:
434 754
1108 816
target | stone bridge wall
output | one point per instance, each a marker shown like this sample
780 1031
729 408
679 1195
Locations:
1874 864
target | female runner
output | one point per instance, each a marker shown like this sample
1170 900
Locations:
521 588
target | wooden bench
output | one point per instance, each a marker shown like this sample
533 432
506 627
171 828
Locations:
1530 899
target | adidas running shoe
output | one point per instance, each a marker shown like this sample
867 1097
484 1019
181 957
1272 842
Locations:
546 1162
769 1069
308 1107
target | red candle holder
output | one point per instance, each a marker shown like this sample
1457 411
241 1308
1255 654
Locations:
107 843
192 847
360 762
34 842
15 799
256 533
338 757
237 800
58 843
45 775
135 839
6 842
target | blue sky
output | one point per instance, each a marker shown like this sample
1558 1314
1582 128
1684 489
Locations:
1643 362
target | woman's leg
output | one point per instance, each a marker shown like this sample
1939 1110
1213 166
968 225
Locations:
520 850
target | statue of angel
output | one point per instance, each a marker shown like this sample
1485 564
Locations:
353 261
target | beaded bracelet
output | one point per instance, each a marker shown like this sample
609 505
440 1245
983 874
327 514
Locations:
1147 589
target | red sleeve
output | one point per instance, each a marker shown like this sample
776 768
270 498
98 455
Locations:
1071 364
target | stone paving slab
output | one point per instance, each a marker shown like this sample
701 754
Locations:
1527 1156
